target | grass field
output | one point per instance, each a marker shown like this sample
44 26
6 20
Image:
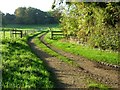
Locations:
87 52
21 68
7 34
30 27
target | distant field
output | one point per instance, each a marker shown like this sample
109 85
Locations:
26 29
8 34
30 27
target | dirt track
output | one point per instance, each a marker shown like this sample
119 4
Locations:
67 76
104 74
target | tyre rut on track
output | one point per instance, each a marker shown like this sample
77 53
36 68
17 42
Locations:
103 74
65 75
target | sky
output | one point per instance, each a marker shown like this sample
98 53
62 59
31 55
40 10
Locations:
9 6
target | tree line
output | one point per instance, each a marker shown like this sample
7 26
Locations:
23 15
96 24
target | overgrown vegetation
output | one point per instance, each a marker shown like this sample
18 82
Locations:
21 68
94 24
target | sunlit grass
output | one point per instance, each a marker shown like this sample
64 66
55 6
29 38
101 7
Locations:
49 51
87 52
7 34
92 84
21 68
30 27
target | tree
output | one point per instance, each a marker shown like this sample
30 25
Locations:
33 16
20 14
95 24
56 15
9 18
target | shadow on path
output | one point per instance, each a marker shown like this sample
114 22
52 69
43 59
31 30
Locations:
43 56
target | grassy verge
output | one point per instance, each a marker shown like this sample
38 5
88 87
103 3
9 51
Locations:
87 52
49 51
92 85
21 68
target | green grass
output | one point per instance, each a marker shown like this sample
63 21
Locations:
21 68
7 34
87 52
92 84
49 51
30 27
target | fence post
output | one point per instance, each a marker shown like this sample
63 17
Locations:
25 32
51 34
21 34
10 34
4 33
15 33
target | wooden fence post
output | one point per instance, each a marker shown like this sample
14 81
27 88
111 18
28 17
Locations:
10 34
15 33
51 34
21 33
4 33
25 32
